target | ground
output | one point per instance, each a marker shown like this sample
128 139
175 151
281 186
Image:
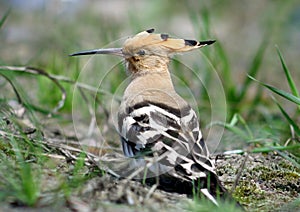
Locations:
260 182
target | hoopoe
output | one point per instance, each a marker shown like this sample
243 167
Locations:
154 121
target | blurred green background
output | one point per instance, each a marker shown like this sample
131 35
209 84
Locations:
41 34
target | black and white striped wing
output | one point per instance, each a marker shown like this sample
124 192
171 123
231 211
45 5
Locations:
150 127
155 128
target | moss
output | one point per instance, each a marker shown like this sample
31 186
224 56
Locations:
267 181
266 174
248 192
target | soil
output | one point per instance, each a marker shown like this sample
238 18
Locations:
259 182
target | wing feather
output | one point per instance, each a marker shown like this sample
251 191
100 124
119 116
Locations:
151 126
176 137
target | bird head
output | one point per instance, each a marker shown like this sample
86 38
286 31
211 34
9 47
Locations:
148 50
147 43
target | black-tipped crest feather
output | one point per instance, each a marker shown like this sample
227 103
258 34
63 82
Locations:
190 42
150 30
209 42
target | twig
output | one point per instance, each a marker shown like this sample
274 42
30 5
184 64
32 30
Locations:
239 174
35 71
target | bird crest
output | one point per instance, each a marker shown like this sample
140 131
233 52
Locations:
150 43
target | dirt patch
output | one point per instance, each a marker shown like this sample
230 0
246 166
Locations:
266 183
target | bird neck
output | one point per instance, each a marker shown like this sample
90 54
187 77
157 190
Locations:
160 80
151 82
153 87
143 65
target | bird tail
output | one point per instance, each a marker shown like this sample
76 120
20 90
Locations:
209 187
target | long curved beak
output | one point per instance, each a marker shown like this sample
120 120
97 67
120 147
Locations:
112 51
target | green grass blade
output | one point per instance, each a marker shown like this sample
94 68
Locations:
278 149
226 70
27 190
4 17
280 92
289 78
288 118
272 148
79 164
243 122
29 185
254 68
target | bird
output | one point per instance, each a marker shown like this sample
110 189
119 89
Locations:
154 121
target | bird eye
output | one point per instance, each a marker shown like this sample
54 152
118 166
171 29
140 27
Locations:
141 52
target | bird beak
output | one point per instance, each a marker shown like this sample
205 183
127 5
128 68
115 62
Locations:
111 51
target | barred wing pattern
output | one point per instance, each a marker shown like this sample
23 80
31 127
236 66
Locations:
153 128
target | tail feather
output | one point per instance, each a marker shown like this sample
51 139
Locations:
209 187
209 196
